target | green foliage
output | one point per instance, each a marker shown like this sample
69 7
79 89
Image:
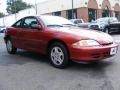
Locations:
14 6
2 14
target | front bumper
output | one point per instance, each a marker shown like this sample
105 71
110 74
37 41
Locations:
92 53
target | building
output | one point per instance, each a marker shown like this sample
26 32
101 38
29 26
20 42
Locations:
88 10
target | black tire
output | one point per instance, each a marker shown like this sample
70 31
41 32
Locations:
107 30
10 48
58 55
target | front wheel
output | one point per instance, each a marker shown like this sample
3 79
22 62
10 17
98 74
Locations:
10 48
107 30
58 55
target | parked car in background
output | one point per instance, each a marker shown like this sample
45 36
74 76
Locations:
58 38
79 23
106 24
2 29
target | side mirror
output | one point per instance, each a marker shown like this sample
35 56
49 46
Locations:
36 26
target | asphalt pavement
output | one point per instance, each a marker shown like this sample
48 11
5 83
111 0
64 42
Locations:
30 71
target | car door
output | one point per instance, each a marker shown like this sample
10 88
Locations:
113 24
31 37
16 29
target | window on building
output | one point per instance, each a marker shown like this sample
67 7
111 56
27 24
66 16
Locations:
117 14
69 14
92 14
57 13
106 12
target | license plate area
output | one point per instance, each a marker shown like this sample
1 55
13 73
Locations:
113 51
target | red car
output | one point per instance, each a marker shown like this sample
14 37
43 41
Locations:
60 39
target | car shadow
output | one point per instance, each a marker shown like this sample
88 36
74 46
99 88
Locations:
35 57
32 56
22 57
115 33
91 65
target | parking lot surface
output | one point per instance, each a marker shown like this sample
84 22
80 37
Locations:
30 71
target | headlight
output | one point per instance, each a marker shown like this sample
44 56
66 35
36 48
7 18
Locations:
86 43
101 27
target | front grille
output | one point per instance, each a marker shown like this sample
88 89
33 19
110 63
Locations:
96 55
106 54
100 55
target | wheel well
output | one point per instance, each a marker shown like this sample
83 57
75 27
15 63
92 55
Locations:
107 27
59 41
6 38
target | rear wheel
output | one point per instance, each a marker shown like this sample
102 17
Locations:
58 55
10 48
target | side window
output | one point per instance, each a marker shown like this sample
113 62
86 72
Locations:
17 24
30 22
77 21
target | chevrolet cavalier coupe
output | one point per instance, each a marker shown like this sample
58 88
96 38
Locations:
60 39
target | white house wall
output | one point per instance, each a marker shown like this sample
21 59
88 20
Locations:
26 12
1 21
11 19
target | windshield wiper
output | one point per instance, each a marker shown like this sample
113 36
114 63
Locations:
54 25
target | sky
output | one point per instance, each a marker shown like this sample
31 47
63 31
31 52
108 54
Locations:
3 4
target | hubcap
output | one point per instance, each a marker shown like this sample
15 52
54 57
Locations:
9 45
57 55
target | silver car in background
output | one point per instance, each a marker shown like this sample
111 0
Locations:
2 29
106 24
79 23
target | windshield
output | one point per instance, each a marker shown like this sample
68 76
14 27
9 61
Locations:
77 21
113 19
55 21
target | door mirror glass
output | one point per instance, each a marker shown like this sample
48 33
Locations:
35 25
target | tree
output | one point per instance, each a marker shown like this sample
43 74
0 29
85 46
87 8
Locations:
2 14
14 6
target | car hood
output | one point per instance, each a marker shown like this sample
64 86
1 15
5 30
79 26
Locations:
115 23
98 23
80 33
